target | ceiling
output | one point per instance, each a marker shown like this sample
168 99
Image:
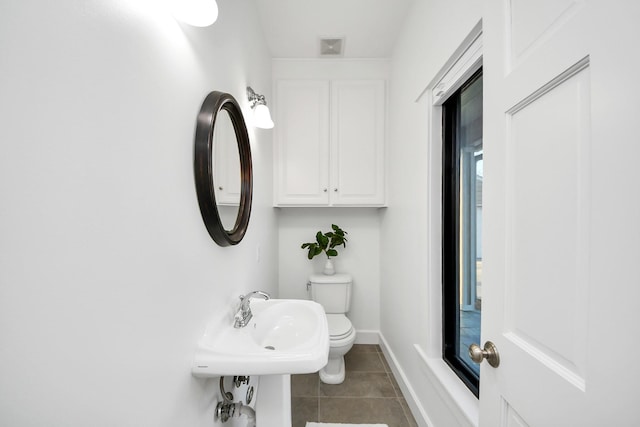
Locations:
293 28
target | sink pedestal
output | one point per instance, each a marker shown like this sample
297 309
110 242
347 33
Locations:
273 404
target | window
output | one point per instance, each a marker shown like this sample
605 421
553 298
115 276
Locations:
462 172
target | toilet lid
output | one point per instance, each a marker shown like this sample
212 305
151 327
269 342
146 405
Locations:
339 325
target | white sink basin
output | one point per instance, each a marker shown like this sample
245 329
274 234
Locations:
283 337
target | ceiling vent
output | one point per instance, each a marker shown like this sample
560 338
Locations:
331 46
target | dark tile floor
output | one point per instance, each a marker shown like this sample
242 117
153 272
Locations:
369 394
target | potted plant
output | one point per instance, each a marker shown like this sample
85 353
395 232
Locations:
327 242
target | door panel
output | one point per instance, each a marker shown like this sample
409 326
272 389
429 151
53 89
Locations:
547 210
510 418
533 22
561 213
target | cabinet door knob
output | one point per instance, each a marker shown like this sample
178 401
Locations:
325 190
220 188
335 190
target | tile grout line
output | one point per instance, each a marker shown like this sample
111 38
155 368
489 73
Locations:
357 397
404 411
396 397
318 394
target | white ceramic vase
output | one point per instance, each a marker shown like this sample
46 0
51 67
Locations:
328 268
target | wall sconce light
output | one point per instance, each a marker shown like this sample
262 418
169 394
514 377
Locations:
261 115
199 13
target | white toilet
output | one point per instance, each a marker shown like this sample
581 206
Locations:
334 294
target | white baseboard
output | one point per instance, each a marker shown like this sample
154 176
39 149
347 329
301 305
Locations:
367 337
409 394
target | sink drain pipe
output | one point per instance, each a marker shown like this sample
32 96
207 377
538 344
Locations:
224 411
228 409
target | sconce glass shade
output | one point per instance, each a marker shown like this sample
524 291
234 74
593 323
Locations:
199 13
262 117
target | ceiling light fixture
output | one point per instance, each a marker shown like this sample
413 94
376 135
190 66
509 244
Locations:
261 115
199 13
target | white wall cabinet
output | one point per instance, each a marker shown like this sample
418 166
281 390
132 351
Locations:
226 162
329 148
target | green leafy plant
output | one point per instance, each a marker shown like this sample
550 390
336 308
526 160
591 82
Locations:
326 242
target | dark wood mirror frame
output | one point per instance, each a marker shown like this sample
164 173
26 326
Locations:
203 168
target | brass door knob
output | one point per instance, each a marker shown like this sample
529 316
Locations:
490 352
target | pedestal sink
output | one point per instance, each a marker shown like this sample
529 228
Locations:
283 337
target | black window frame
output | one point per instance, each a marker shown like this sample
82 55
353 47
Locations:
451 239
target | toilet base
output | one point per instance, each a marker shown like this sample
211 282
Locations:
333 373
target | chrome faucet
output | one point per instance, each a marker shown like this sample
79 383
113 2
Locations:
244 315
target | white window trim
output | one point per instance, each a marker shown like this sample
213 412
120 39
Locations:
464 62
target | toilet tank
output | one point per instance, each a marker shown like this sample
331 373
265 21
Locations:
332 292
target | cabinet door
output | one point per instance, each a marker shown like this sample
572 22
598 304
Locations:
226 162
302 143
357 142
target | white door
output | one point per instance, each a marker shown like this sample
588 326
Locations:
562 213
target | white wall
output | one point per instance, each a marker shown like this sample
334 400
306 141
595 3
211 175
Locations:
361 258
409 311
107 274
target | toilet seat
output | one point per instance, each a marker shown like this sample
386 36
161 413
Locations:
340 326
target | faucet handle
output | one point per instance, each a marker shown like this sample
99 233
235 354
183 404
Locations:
242 303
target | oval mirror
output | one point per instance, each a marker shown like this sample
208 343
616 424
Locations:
223 169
